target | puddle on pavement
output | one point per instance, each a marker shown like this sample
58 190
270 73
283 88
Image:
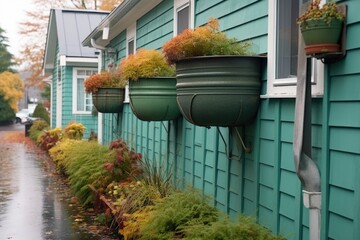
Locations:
30 207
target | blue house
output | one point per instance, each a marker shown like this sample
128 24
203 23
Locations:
263 182
68 63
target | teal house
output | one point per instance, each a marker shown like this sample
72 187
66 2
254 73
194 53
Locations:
68 63
262 182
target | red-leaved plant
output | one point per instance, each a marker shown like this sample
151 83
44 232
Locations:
126 162
105 79
206 40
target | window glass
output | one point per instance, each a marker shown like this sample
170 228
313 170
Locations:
83 101
283 37
183 19
287 38
80 95
131 47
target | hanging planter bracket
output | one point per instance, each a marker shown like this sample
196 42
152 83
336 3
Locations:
228 150
329 58
247 149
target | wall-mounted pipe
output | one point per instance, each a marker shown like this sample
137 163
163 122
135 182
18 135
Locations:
306 168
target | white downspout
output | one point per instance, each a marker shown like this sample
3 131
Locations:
100 115
306 168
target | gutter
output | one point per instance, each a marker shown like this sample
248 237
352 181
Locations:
306 168
93 44
114 17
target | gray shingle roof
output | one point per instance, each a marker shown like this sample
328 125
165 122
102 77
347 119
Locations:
72 28
68 28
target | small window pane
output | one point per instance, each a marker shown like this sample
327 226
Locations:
83 99
131 47
80 95
183 19
80 72
287 38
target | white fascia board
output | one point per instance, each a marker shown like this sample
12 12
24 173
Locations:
62 59
105 33
120 19
83 61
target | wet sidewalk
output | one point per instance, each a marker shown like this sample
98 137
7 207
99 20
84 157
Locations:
31 207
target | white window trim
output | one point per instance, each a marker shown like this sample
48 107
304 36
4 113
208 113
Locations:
286 88
74 91
130 36
178 6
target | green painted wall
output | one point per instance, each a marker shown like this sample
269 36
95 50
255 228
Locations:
54 89
262 183
112 121
88 120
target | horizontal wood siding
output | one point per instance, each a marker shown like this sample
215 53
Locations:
344 136
262 183
155 27
245 20
119 43
88 120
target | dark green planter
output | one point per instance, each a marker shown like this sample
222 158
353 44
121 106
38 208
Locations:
320 36
109 100
219 90
154 99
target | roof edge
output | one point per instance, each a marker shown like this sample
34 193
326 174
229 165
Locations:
114 16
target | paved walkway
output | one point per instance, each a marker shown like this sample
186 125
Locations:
30 206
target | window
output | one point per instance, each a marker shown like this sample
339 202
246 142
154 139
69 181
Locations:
282 51
130 49
131 46
82 102
130 39
183 15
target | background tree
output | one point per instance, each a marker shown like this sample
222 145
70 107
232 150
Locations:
11 91
10 83
5 56
34 32
6 113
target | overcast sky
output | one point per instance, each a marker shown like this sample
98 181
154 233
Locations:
12 12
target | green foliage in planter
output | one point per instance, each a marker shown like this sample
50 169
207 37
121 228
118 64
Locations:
326 13
243 229
38 128
145 64
83 163
41 112
74 131
175 213
206 40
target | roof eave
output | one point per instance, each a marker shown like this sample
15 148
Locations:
121 16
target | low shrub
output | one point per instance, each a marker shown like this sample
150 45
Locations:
176 213
74 131
245 228
49 138
83 162
38 128
125 165
41 112
135 199
156 175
